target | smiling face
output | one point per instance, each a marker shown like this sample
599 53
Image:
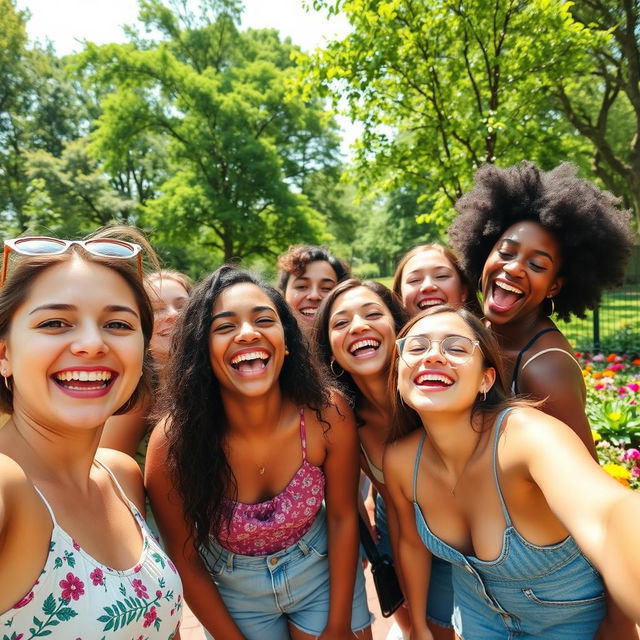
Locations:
246 343
305 292
429 279
361 332
75 346
520 272
431 382
168 298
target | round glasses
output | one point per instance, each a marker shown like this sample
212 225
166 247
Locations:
456 349
45 246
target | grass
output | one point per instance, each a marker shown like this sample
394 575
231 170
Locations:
619 309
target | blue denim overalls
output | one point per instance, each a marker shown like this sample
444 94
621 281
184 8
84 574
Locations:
544 592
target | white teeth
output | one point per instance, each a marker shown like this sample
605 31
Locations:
433 377
364 343
84 376
508 287
432 302
254 355
309 311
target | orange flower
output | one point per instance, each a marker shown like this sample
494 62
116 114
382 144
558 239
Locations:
608 373
637 362
612 357
597 375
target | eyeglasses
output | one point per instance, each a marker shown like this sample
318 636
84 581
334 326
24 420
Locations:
44 246
456 349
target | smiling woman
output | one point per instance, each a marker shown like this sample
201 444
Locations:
253 473
74 324
536 243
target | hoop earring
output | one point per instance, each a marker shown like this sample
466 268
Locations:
553 306
484 396
6 383
333 371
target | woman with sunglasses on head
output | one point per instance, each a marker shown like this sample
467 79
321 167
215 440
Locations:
307 275
251 447
504 492
429 275
74 324
355 334
538 243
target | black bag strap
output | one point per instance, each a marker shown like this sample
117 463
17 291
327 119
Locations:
367 542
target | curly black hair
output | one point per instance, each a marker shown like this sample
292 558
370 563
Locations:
594 234
294 263
197 425
321 341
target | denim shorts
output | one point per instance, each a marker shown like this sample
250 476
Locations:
264 594
440 602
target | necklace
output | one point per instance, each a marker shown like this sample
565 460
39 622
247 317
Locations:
260 469
466 464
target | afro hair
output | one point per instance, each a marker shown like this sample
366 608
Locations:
594 234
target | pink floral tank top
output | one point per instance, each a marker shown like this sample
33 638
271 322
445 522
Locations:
270 526
77 598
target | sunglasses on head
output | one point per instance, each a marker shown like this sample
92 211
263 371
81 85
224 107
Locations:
44 246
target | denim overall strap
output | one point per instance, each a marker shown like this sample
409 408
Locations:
415 466
496 437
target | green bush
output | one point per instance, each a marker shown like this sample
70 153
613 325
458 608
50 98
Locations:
366 271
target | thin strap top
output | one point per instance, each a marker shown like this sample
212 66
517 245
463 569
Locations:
516 368
376 472
76 596
272 525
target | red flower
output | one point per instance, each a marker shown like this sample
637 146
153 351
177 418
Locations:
72 588
612 357
25 601
97 577
150 617
140 589
158 594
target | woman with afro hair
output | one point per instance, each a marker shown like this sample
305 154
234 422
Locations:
537 243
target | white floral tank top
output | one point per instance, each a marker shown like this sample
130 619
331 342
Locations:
77 598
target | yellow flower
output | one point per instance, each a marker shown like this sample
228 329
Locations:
615 416
595 435
607 373
617 471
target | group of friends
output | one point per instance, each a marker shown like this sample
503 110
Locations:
254 410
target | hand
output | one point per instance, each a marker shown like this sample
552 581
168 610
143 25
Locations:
336 634
421 634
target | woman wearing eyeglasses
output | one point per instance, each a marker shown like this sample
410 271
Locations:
74 324
506 493
253 474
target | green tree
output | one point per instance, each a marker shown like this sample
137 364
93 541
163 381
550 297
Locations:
240 146
604 104
443 86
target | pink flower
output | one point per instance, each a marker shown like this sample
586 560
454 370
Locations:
631 454
599 387
158 594
72 588
25 601
633 386
598 358
97 577
622 391
76 546
635 472
615 367
140 589
150 617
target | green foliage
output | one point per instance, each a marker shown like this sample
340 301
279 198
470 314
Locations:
443 86
240 149
366 271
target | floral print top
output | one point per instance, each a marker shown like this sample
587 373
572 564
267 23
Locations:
77 598
270 526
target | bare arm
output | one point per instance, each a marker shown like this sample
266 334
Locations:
125 432
555 378
414 559
341 471
602 516
200 592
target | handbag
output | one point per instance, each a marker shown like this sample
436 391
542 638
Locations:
384 575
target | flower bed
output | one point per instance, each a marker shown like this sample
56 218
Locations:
613 409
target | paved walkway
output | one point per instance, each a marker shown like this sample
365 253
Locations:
192 630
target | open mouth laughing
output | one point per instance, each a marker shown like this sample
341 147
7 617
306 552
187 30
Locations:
364 347
249 362
432 380
426 303
88 382
505 295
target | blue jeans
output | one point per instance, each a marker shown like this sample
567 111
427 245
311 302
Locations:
266 593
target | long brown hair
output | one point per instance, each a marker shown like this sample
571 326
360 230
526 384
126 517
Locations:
405 419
